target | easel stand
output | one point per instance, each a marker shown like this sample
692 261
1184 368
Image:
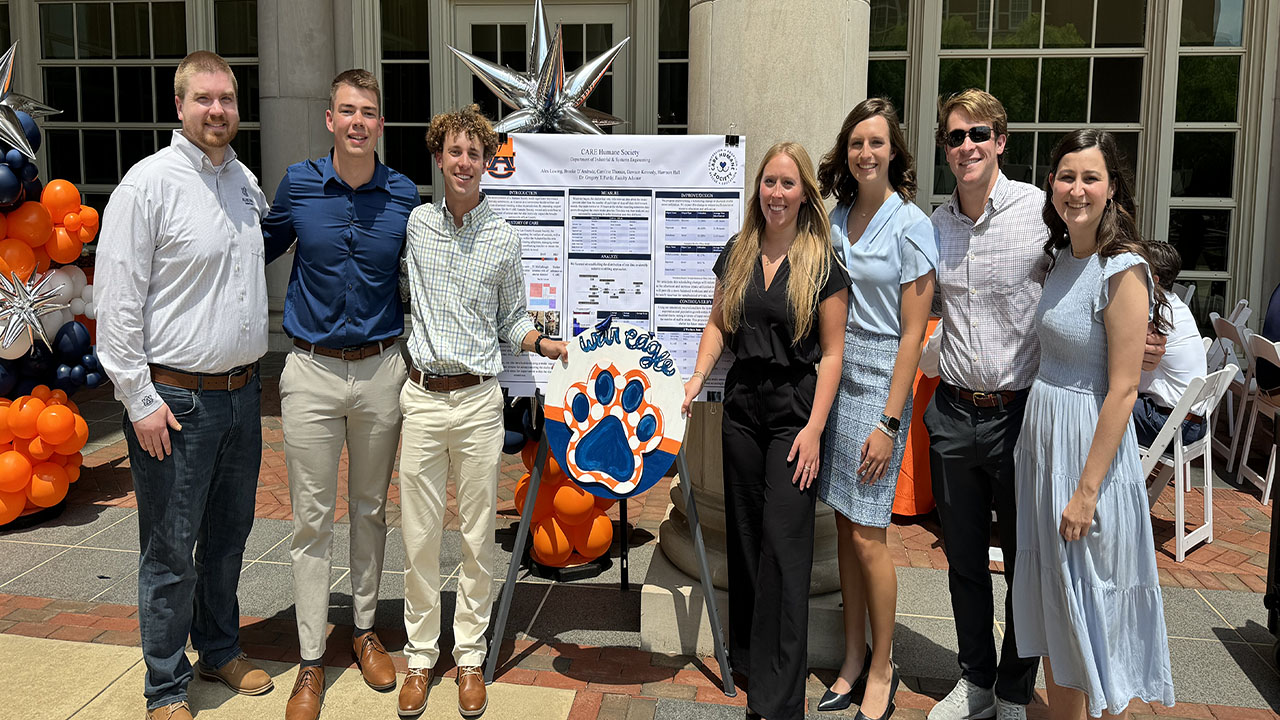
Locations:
522 537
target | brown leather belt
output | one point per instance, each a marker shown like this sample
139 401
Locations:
358 352
233 380
444 383
999 398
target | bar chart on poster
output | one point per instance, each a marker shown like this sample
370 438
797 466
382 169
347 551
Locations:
622 226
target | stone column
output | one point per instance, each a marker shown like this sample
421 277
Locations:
769 70
296 50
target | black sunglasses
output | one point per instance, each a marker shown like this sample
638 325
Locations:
977 133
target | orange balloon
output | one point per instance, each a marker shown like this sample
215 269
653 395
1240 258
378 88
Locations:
75 459
35 448
4 225
62 247
528 454
77 440
43 261
593 538
15 471
72 222
573 504
41 392
89 217
56 424
6 435
48 484
11 506
57 397
85 235
522 489
605 503
73 472
60 197
18 256
550 544
23 414
31 223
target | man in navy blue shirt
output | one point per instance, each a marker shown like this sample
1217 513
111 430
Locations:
341 381
1268 374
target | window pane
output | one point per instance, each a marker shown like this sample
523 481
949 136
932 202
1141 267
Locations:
484 42
673 131
1201 237
515 48
1212 22
673 93
248 147
489 103
60 92
1208 87
133 30
1121 23
247 97
170 22
673 28
1014 82
573 47
236 28
599 39
1068 23
1045 142
64 155
407 152
406 92
1017 24
1127 142
964 23
602 97
98 94
134 146
959 74
166 112
1063 86
1018 158
888 25
1202 164
5 37
93 30
1117 90
944 182
1211 296
57 31
404 30
101 158
136 101
888 78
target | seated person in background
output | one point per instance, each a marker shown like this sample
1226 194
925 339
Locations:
1184 358
1268 374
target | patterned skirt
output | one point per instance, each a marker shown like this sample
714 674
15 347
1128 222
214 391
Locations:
859 403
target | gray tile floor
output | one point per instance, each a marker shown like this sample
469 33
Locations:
1220 647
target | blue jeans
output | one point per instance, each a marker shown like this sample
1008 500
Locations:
195 510
1149 418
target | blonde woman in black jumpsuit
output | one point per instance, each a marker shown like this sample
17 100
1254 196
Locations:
780 306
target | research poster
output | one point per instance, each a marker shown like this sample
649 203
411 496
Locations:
621 225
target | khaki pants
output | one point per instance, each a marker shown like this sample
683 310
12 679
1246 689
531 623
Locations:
326 402
449 434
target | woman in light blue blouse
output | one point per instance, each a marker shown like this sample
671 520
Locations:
888 246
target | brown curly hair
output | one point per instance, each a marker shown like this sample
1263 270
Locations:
834 177
468 120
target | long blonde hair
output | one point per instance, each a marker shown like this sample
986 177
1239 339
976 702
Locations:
809 254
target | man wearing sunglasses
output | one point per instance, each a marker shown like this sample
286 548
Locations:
991 250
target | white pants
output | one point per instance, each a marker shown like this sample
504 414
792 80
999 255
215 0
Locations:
325 403
454 434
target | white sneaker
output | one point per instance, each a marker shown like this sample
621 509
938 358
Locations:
967 702
1006 710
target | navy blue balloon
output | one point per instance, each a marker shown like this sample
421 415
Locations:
33 187
71 343
512 442
25 386
94 379
78 374
10 185
90 361
28 175
15 159
62 372
8 380
37 363
31 130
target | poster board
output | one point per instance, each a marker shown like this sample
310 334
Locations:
621 225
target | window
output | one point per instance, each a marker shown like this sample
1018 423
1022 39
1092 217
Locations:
406 89
235 26
673 67
888 62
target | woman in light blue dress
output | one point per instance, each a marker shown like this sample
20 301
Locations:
888 247
1085 592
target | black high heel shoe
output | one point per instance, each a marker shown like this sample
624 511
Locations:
839 701
893 690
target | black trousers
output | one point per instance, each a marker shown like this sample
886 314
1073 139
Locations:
770 536
971 460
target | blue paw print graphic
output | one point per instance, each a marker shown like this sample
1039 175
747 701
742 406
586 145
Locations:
612 425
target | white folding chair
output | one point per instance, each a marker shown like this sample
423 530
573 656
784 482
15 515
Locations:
1266 403
1232 336
1186 292
1221 351
1175 459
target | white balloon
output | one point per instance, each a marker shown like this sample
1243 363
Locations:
90 311
51 323
78 278
77 306
61 281
18 348
87 293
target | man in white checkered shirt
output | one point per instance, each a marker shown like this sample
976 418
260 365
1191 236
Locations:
466 293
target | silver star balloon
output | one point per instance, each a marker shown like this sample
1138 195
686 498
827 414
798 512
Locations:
545 99
11 102
22 304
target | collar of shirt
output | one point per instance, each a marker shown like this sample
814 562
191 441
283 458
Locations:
476 215
197 157
997 201
381 179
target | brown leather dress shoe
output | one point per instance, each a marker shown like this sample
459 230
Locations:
172 711
308 694
375 665
472 697
240 675
413 692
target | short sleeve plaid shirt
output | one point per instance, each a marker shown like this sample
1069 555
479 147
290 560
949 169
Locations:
466 290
